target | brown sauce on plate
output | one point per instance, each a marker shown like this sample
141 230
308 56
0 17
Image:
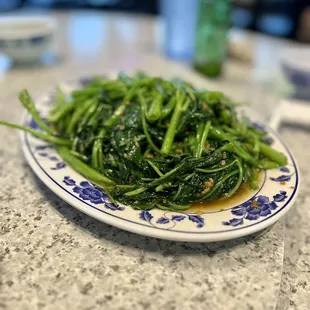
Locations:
243 194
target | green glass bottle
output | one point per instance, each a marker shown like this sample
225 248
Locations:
211 36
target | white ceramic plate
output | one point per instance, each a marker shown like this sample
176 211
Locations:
249 213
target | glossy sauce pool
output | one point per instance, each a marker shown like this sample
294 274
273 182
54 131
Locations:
243 194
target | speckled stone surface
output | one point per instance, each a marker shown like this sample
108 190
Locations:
54 257
295 285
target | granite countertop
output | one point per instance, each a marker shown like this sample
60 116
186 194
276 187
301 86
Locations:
54 257
295 284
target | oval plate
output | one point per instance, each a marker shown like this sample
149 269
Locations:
257 211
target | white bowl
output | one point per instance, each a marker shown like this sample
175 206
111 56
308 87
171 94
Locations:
25 39
296 66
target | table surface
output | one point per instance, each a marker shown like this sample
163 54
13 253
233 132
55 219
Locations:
54 257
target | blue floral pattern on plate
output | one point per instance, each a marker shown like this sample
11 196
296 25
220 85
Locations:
90 192
94 194
255 208
147 216
42 152
251 210
283 177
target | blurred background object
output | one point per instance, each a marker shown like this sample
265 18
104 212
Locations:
303 29
179 21
146 6
88 31
211 36
295 62
26 38
284 18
